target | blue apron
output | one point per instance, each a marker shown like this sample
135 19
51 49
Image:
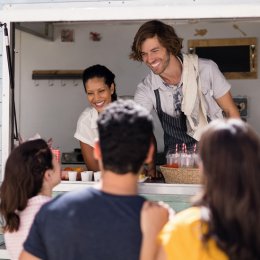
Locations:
175 129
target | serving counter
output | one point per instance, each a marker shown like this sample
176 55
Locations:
176 195
144 188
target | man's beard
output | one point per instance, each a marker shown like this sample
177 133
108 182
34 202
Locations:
164 65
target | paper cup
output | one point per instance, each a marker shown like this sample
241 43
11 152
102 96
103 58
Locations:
97 176
72 175
86 175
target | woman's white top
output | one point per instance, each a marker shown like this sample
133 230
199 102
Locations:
86 131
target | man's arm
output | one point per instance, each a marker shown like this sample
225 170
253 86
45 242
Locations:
143 96
27 256
151 167
228 105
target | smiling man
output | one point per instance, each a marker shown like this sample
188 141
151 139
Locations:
187 92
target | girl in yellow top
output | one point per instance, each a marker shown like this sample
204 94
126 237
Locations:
224 222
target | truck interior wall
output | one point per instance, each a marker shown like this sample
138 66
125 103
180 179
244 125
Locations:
51 107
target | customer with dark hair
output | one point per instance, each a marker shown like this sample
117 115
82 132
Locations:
100 222
224 222
31 172
99 85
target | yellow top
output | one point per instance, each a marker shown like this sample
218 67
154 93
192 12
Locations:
181 238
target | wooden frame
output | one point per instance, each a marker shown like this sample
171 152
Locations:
236 57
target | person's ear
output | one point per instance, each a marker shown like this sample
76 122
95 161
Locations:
150 154
48 175
112 88
97 151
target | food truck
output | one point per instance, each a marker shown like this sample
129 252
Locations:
50 43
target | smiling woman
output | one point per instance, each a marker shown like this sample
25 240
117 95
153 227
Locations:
98 93
99 85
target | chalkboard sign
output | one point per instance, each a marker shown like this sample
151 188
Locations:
236 58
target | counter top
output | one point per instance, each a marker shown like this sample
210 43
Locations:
144 188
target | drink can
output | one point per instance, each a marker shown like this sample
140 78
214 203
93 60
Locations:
56 153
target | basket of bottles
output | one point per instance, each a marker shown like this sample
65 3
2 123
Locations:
181 167
181 175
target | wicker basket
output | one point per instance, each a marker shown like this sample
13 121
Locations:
181 175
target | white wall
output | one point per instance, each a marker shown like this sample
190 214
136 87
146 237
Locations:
52 111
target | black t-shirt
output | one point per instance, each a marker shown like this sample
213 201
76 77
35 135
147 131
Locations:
87 224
